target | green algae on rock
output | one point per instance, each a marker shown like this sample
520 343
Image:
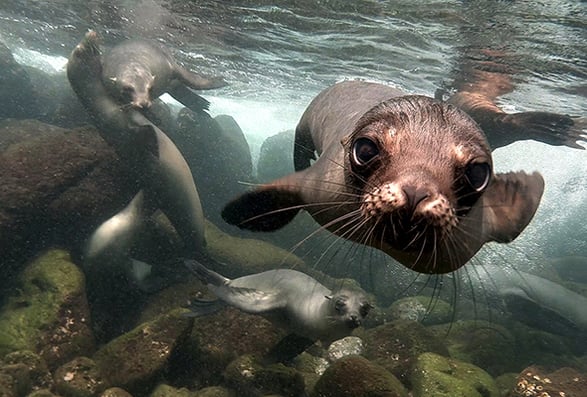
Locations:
134 360
115 392
425 309
437 376
355 376
49 314
247 375
164 390
79 378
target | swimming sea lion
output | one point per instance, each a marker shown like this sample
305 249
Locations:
532 299
406 174
138 71
163 173
290 299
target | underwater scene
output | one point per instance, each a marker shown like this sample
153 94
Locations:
293 198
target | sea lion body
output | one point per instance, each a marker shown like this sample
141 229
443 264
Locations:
148 153
292 300
406 174
138 71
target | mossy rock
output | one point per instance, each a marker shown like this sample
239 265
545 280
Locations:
437 376
164 390
50 314
486 345
115 392
39 373
80 378
251 255
396 345
424 309
215 391
134 360
247 375
355 376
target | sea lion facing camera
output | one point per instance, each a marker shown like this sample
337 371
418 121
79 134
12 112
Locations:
406 174
138 71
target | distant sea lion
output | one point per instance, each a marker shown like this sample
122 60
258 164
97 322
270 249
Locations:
163 173
532 299
290 299
406 174
138 71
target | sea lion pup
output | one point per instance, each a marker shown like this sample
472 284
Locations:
289 299
138 71
162 172
406 174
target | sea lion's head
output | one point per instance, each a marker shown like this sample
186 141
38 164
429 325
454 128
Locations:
416 182
132 86
349 308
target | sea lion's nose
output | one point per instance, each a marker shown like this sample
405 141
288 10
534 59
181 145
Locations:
415 195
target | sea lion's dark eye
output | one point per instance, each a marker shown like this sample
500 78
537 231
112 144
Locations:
478 175
365 309
339 305
364 150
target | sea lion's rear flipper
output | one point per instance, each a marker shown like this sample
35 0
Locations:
268 207
197 82
201 307
204 274
187 97
509 204
287 349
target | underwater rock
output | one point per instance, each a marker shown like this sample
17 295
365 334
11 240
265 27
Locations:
437 376
247 256
215 391
80 377
134 360
355 376
311 367
218 155
42 393
40 377
506 382
57 186
348 346
425 309
489 346
251 378
164 390
219 338
535 381
395 346
115 392
276 157
20 384
49 314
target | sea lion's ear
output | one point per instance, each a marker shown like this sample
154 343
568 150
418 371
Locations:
509 204
267 208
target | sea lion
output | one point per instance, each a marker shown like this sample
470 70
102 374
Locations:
532 299
148 153
288 298
407 174
137 71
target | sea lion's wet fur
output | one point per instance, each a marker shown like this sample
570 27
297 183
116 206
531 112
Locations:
148 153
291 299
138 71
414 200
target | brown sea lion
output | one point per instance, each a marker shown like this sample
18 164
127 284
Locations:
138 71
406 174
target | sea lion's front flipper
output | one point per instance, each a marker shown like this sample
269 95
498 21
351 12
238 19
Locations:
268 207
187 97
287 349
197 82
509 204
201 307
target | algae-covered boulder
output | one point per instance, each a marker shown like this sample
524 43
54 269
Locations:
80 378
215 391
115 392
49 314
425 309
164 390
487 345
537 381
247 375
134 360
251 255
39 374
396 345
276 157
437 376
355 376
